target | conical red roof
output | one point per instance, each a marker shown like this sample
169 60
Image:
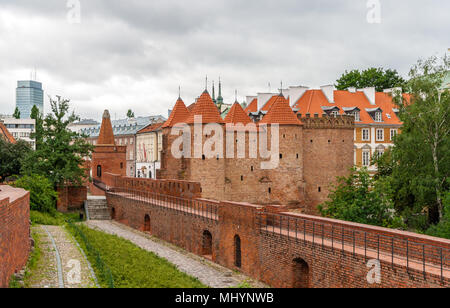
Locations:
106 135
179 114
280 113
237 115
206 108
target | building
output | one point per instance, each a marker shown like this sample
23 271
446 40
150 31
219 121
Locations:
29 93
77 127
376 115
5 134
21 129
148 150
312 153
124 132
107 157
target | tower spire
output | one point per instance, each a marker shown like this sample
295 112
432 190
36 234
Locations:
213 93
220 98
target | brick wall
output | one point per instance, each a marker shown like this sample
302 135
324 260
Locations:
14 231
284 249
71 198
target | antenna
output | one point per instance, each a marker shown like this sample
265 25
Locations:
235 95
206 84
281 89
179 91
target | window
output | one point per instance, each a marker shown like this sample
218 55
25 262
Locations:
131 155
380 134
365 134
126 141
394 133
237 251
366 158
357 116
334 113
131 140
378 117
99 171
379 153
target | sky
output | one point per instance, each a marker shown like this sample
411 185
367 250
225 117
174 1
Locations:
120 55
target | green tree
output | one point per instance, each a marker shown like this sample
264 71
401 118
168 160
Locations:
37 135
359 198
61 155
422 151
130 114
16 113
42 193
372 77
11 157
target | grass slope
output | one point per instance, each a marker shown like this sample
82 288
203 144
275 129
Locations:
133 267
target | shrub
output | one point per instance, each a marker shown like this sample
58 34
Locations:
42 194
442 229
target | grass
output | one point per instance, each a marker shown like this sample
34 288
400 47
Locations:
31 264
131 266
52 219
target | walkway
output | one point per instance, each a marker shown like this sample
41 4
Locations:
207 272
63 266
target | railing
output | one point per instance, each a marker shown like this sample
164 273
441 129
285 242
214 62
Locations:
372 245
207 210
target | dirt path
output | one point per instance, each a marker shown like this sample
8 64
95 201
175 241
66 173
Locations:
62 264
207 272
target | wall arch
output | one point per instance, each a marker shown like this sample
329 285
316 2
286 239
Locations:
300 274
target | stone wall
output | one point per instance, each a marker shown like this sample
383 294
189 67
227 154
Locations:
15 243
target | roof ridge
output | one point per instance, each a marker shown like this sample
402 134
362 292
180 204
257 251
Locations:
179 114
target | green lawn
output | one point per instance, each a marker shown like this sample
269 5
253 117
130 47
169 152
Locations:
133 267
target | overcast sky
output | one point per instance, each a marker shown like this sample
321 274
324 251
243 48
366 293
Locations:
134 54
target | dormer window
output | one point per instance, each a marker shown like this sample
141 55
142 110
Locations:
334 113
378 117
357 116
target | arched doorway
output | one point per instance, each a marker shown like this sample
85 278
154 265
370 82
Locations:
300 274
147 225
237 251
113 213
207 244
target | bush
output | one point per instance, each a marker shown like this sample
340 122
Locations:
442 229
42 194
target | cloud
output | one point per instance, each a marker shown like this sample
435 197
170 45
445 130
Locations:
134 54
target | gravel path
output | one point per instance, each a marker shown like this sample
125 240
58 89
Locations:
74 266
207 272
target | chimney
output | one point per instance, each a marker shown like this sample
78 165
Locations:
328 90
295 93
394 91
263 98
351 90
370 94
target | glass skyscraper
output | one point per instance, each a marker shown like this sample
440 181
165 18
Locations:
28 94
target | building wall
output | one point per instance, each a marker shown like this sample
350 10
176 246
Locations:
21 129
148 153
268 254
15 241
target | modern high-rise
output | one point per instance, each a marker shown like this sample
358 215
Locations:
28 94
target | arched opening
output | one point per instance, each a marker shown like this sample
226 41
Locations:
207 244
237 251
113 213
300 275
99 171
147 225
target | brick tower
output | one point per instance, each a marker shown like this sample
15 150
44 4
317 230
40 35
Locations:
107 156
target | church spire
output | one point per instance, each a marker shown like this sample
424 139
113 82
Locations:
220 98
213 93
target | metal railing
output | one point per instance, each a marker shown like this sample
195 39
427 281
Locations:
372 245
200 208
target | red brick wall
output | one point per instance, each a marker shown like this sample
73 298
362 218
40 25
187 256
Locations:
268 254
14 232
71 198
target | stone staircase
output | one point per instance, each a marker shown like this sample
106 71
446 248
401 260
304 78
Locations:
97 208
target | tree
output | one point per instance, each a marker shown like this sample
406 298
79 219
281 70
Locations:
422 151
11 157
16 113
359 198
42 193
130 114
372 77
37 135
61 155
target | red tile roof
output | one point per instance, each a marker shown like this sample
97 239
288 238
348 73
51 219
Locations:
4 133
150 128
206 108
252 107
280 113
191 107
106 135
237 115
313 101
179 114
